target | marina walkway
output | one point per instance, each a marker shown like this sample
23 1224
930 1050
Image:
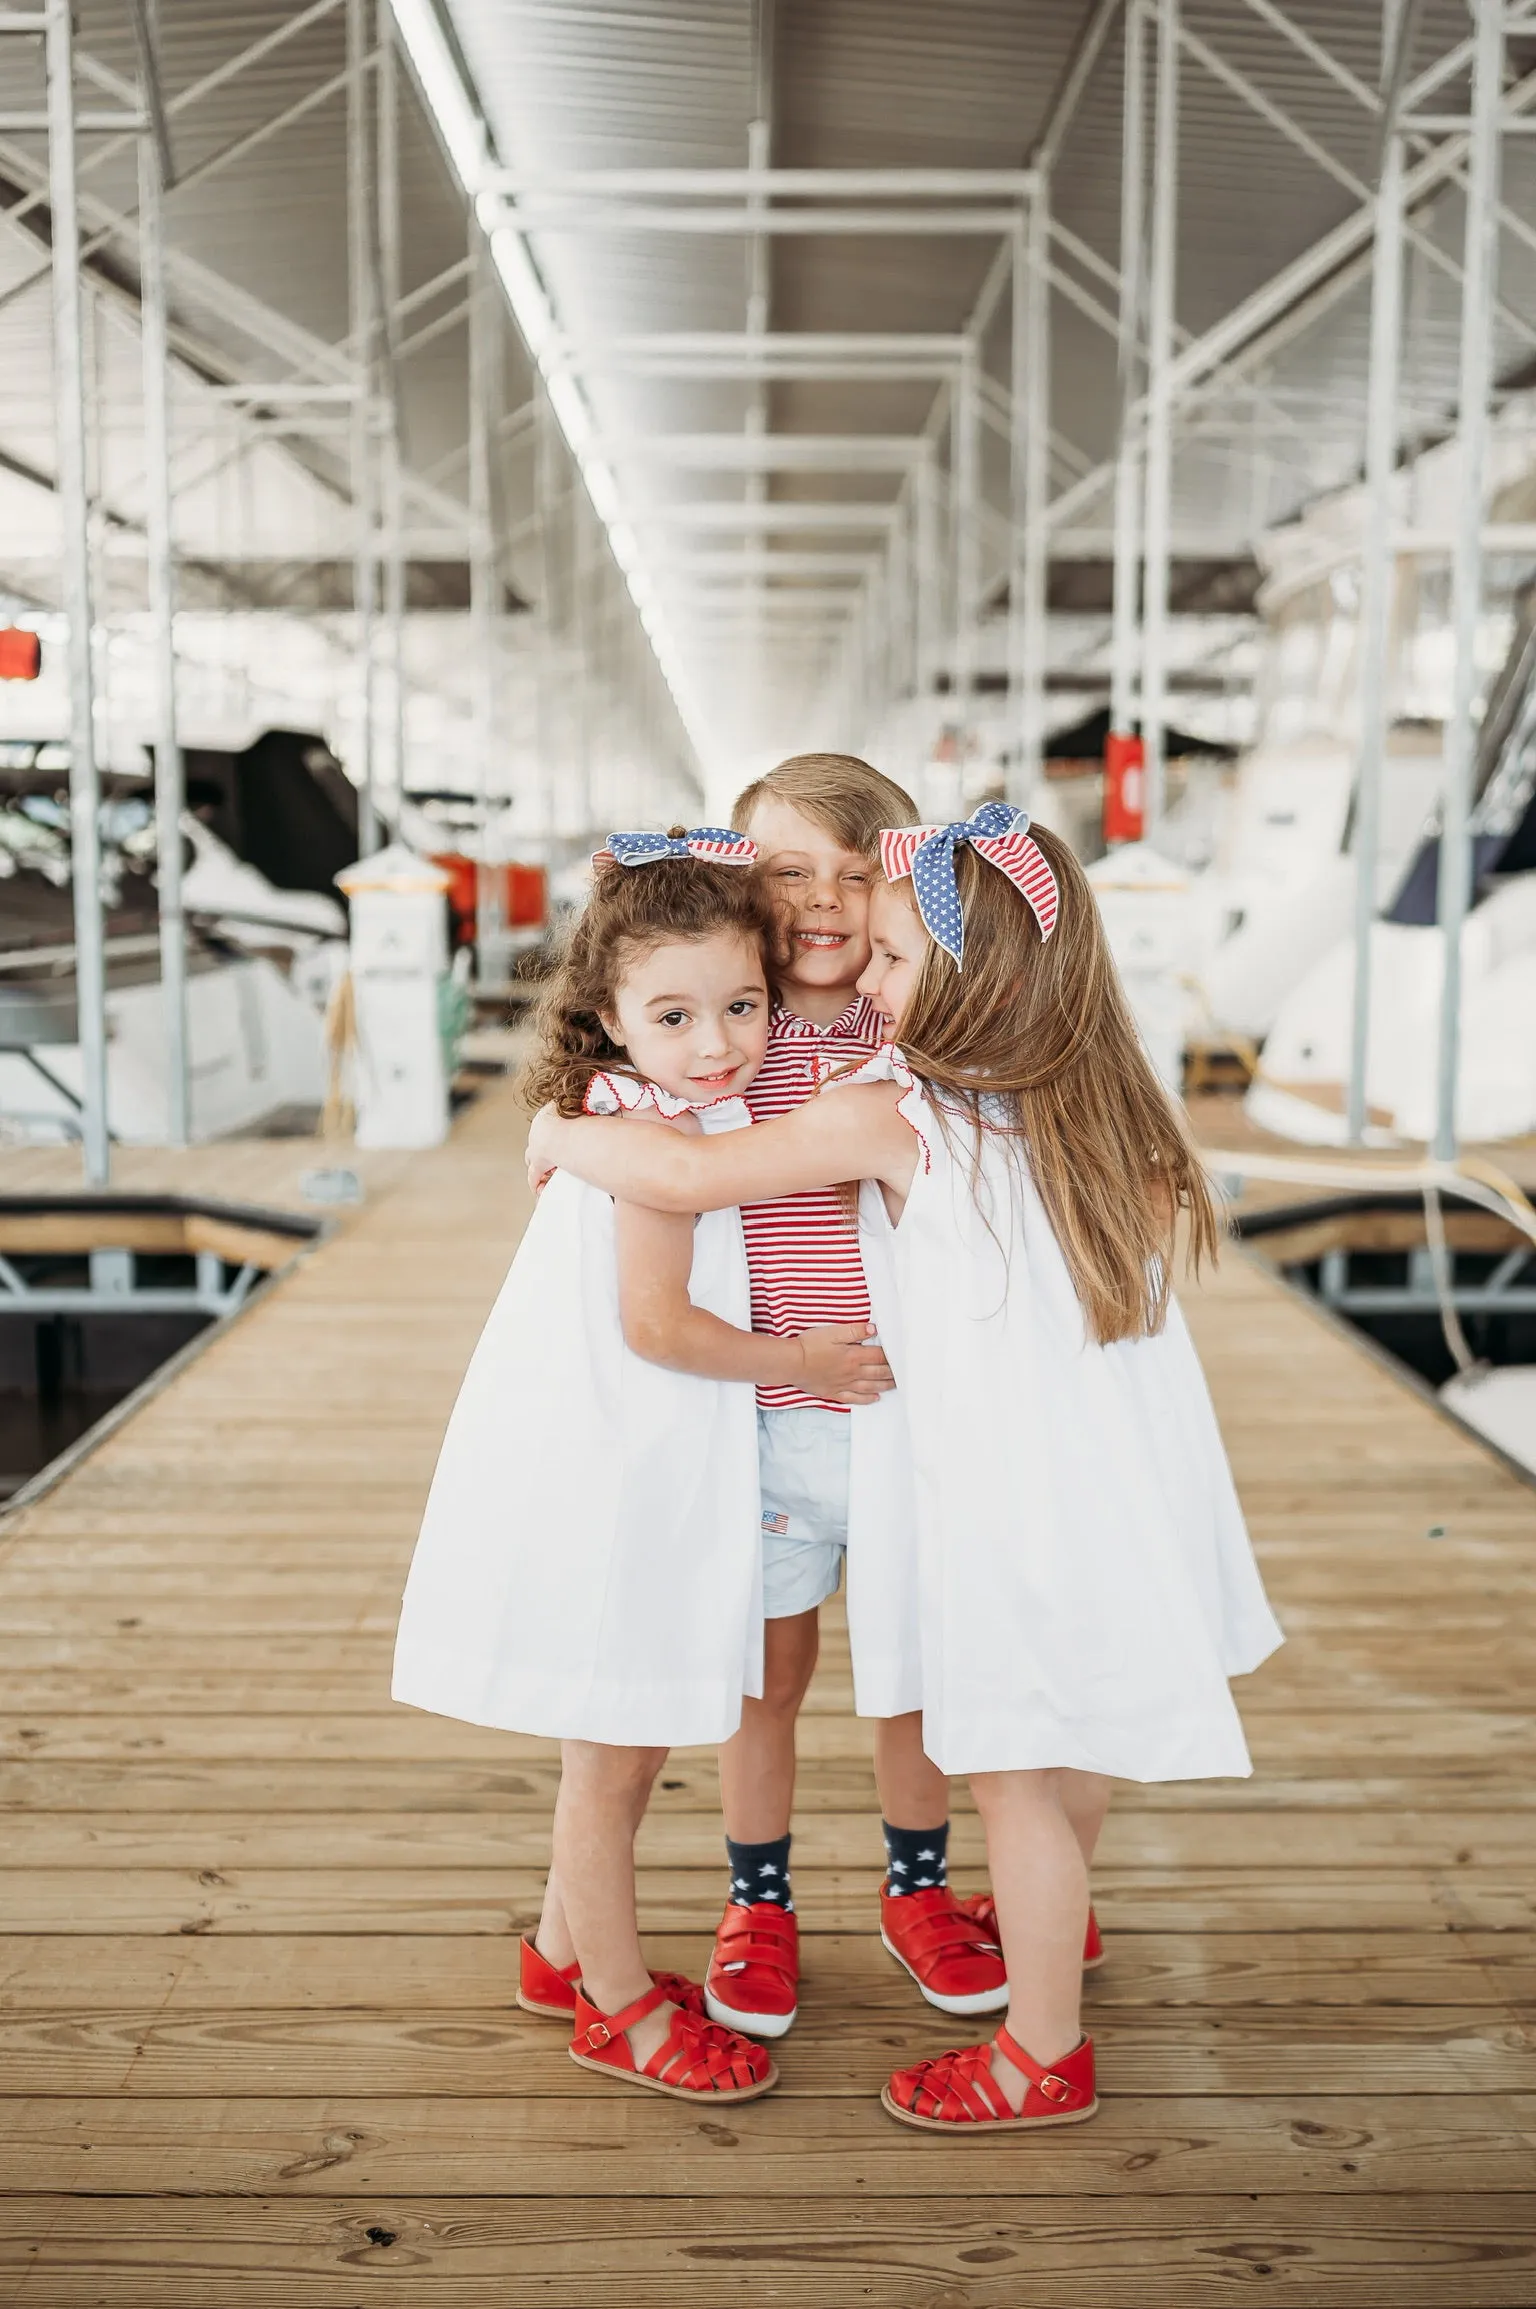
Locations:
257 2043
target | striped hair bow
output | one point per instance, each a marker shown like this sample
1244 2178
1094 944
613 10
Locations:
717 845
997 832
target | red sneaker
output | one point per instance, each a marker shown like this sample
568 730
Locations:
753 1981
983 1907
957 2093
552 1991
953 1956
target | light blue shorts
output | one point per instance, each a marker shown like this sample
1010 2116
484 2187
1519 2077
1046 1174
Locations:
802 1457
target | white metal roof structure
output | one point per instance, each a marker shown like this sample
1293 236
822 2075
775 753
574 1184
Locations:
588 404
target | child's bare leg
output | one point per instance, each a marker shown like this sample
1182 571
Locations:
1085 1800
913 1791
602 1800
1040 1884
757 1764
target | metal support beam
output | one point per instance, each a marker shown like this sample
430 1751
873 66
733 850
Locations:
384 254
1160 401
965 497
1377 567
1475 378
362 331
1126 625
484 584
1037 491
74 510
169 781
1062 109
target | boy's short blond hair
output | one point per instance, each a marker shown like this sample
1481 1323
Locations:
850 798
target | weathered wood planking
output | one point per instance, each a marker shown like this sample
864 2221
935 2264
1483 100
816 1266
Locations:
257 1926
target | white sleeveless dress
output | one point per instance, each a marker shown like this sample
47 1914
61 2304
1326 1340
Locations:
1081 1585
589 1561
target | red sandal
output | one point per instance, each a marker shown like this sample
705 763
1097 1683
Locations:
983 1908
753 1981
699 2061
957 2092
949 1949
550 1990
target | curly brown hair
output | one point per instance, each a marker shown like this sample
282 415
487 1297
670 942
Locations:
631 911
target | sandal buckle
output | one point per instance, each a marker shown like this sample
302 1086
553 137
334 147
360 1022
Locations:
1055 2088
598 2034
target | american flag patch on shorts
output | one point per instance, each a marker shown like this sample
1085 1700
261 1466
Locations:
776 1521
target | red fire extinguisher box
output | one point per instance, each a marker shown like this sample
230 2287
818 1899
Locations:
21 654
1124 772
527 899
523 891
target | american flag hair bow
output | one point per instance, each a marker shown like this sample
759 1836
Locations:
717 845
997 832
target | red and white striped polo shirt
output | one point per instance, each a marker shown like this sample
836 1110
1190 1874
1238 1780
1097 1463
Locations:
803 1250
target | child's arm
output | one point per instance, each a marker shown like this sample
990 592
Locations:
837 1361
844 1134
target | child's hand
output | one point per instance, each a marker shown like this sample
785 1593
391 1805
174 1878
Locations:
844 1362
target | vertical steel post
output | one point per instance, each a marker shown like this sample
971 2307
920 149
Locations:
966 438
169 780
1126 623
483 622
74 510
1377 561
1037 483
387 289
1017 751
1479 264
1159 468
926 624
360 297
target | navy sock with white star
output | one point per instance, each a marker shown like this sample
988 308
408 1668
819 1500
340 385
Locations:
915 1858
759 1872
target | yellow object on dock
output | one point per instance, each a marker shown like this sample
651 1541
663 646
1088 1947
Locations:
258 2043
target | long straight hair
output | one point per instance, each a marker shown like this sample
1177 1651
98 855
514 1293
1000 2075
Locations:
1033 1037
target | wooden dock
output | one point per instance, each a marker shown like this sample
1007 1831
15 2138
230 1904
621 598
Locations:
257 2040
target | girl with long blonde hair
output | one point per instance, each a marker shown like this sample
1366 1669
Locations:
1080 1587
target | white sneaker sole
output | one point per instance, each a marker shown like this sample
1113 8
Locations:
984 2000
749 2023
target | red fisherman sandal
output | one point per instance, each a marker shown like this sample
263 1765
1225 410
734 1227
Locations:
698 2061
953 1956
550 1990
957 2093
983 1907
753 1981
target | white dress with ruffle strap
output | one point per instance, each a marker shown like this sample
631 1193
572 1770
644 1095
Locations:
589 1564
1081 1585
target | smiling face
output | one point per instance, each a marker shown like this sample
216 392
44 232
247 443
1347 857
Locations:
824 891
898 948
693 1015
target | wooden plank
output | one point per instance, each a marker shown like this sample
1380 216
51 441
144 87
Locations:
375 1972
597 2143
835 1776
451 1901
511 1829
843 2047
925 2252
1411 1732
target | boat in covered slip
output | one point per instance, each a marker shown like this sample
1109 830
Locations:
265 941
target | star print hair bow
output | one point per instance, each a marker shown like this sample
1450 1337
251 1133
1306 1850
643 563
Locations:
717 845
997 832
